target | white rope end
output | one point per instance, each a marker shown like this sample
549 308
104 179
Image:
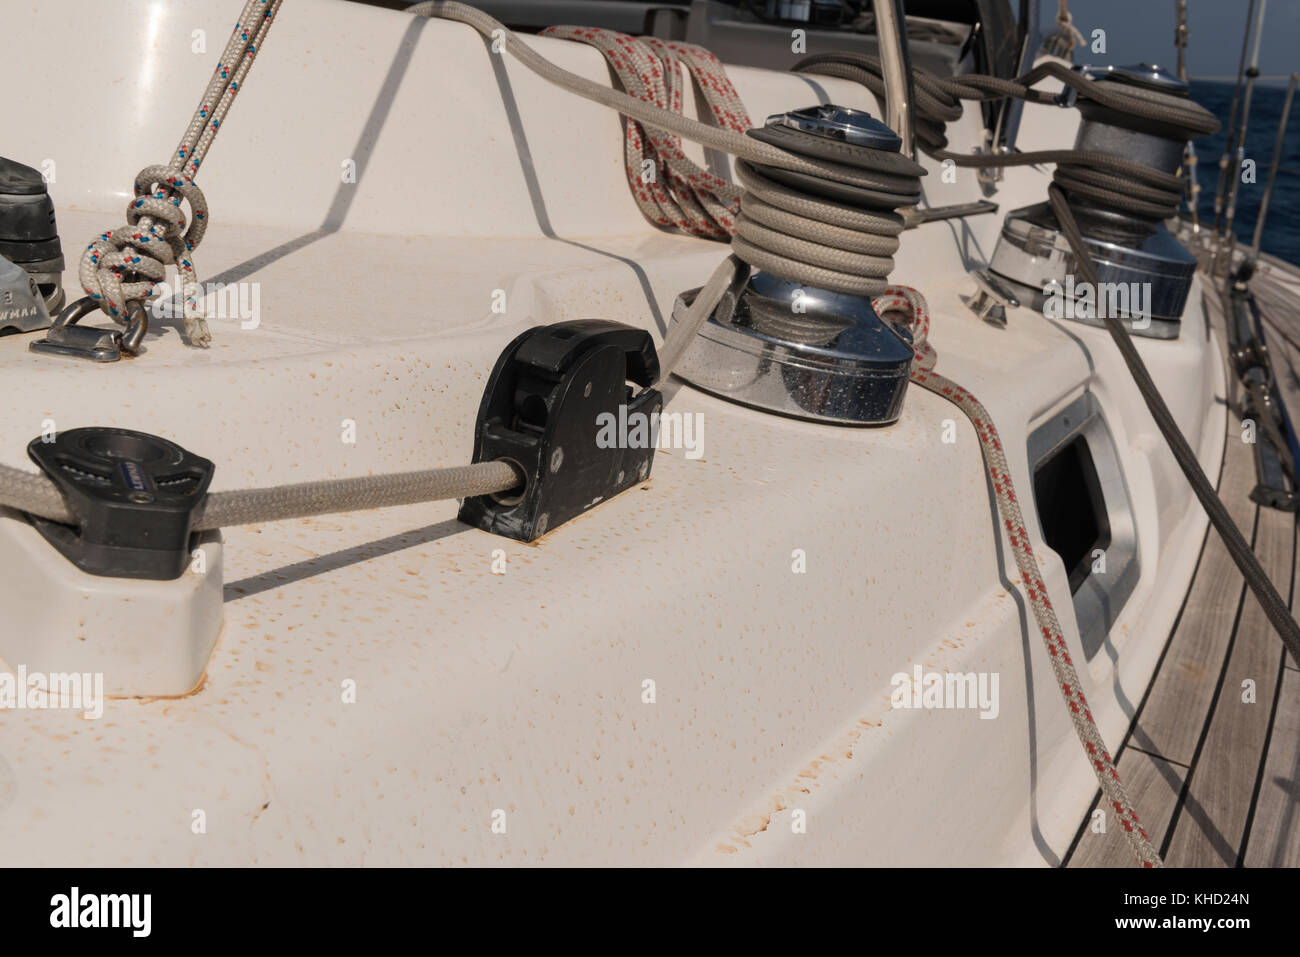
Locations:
196 331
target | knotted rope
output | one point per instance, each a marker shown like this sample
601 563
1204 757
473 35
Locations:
1062 41
121 267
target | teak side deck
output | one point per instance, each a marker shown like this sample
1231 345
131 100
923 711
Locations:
1215 776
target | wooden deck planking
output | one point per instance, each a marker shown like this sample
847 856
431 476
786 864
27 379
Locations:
1209 827
1153 786
1210 830
1274 839
1178 703
1273 304
1240 797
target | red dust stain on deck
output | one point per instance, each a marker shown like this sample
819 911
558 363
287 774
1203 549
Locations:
807 779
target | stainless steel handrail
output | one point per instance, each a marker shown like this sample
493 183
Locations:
896 67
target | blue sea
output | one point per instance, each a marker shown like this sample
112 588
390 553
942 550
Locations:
1282 230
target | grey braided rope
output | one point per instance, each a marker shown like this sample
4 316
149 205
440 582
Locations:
121 267
35 494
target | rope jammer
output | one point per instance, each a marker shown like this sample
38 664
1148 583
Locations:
121 268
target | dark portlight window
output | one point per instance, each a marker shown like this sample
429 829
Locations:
1071 508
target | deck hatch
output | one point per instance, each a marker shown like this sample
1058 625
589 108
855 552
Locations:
1085 515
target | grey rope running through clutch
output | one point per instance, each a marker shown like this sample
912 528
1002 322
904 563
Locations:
33 493
813 240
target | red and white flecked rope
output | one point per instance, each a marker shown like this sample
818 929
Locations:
121 267
671 189
910 303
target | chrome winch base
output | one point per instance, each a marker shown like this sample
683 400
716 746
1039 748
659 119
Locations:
1144 274
775 345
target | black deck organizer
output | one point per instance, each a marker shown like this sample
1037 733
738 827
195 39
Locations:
556 396
134 496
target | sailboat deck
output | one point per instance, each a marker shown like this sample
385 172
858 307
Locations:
1212 757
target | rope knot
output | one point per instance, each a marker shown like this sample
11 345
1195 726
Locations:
121 267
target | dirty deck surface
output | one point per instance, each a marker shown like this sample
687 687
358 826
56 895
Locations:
1212 759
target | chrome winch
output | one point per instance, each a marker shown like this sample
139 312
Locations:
1144 273
793 348
31 257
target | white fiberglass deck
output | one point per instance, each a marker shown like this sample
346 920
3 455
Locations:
523 691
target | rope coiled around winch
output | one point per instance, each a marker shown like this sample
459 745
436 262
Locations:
1109 180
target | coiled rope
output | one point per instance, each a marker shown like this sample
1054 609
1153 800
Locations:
121 267
671 189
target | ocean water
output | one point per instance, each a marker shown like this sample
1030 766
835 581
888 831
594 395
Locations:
1282 229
